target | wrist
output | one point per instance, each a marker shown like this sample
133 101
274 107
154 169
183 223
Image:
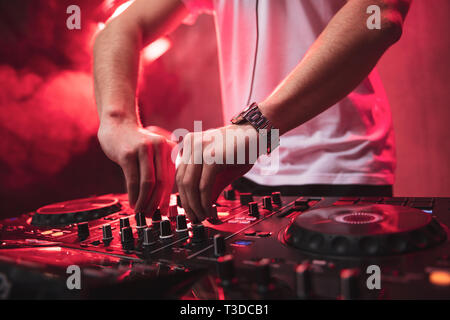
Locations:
114 118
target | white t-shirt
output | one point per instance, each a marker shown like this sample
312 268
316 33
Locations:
350 143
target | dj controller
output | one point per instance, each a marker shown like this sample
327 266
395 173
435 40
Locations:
263 247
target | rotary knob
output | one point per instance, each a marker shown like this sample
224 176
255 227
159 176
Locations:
198 233
229 194
267 203
303 280
219 245
149 237
107 234
253 209
165 229
349 284
245 198
173 212
181 223
301 204
225 269
263 274
179 200
124 222
157 216
276 198
83 230
141 224
127 238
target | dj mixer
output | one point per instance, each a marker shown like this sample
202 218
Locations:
262 247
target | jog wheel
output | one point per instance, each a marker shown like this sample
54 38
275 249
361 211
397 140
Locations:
364 230
75 211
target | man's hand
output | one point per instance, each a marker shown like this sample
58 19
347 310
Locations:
210 161
145 159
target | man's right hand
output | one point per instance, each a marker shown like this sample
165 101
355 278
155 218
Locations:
145 159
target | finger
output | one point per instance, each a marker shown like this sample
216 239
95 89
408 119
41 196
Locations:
169 172
130 169
159 186
179 179
206 185
147 178
191 181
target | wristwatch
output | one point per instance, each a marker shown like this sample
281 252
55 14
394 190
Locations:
252 115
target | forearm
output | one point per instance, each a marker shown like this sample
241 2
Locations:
116 63
342 56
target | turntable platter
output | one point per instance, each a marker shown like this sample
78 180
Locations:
363 230
75 211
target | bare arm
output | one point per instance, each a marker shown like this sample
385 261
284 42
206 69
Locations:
342 56
143 156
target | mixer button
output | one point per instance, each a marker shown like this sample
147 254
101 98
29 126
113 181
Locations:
219 245
83 230
165 229
267 203
253 209
245 198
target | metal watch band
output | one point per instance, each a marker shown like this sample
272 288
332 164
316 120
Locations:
253 115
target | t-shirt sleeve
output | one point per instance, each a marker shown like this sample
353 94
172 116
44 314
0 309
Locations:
197 7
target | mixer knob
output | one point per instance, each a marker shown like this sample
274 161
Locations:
141 224
165 229
181 223
245 198
179 201
127 238
225 269
276 198
107 233
301 204
149 237
253 209
124 222
303 280
219 245
263 276
349 284
229 194
140 219
173 212
267 203
83 230
198 233
156 217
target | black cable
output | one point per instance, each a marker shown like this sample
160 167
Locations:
256 54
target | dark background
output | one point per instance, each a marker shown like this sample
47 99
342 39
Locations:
48 146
